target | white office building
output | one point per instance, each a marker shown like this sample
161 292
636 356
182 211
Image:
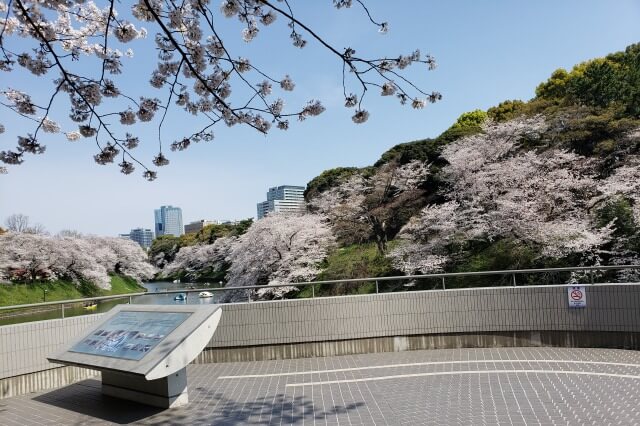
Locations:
142 236
168 221
283 199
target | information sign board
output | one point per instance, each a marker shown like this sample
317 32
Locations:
130 334
142 351
577 296
149 340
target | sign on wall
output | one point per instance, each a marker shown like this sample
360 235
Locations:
577 296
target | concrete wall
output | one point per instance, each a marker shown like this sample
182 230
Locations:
24 347
611 307
501 316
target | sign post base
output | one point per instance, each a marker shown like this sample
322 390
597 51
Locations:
166 392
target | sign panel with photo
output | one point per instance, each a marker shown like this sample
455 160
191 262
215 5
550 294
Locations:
130 335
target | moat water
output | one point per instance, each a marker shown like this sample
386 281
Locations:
77 309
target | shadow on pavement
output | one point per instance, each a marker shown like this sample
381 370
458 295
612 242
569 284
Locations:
86 398
207 406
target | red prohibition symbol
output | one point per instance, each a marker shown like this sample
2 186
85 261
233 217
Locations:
576 295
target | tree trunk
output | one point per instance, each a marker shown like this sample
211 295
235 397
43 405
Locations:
379 231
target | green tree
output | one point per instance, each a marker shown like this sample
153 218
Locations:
471 119
631 83
163 249
555 87
507 110
423 150
210 233
619 210
469 123
328 179
596 83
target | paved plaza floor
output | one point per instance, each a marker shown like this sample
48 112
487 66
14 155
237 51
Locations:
458 386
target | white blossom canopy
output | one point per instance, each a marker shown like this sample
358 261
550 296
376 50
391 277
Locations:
280 249
31 257
498 189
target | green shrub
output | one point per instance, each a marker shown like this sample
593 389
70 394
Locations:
619 210
471 119
328 179
354 261
421 150
507 110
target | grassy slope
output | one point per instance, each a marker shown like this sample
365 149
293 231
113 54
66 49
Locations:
354 261
16 294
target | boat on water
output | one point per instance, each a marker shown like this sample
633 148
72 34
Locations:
176 281
90 305
181 297
205 294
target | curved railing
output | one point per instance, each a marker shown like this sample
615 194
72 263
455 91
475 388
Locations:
409 279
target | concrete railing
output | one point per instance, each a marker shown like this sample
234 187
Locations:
494 316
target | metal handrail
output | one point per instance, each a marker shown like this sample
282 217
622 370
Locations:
443 275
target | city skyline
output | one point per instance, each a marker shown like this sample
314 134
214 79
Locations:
521 45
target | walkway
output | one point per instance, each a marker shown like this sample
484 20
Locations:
461 386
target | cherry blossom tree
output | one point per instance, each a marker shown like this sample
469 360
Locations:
85 48
625 181
279 249
123 256
498 189
192 261
31 257
362 206
27 257
77 261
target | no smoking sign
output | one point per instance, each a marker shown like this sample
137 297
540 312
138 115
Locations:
577 296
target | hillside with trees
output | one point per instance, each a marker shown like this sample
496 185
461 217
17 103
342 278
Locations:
553 181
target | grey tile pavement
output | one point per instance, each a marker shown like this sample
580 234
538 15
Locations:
546 386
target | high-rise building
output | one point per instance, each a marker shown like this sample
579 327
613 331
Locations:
168 220
142 236
283 199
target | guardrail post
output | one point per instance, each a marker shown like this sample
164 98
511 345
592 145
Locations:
62 310
377 288
130 299
313 291
514 279
249 295
444 286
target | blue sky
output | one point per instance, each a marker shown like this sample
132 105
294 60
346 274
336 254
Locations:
488 51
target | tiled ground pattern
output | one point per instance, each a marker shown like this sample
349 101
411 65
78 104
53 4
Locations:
467 391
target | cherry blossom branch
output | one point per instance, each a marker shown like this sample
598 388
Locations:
150 175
